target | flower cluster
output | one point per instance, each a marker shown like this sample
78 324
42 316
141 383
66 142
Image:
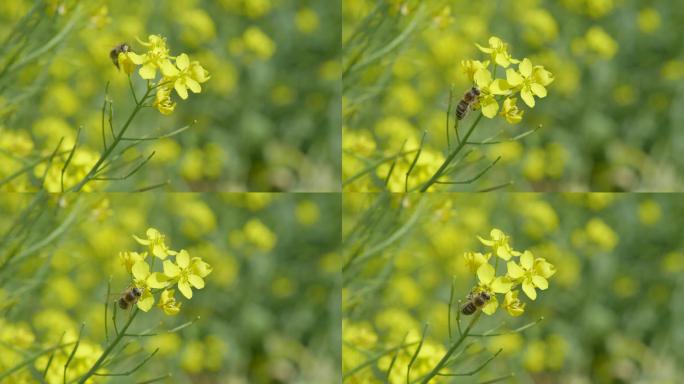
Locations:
178 269
529 81
177 72
528 272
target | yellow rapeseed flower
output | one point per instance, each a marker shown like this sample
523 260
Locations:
146 281
155 241
511 112
168 303
498 50
187 273
163 102
531 81
489 88
156 56
512 304
531 273
499 243
184 75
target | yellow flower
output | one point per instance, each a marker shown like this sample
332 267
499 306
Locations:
499 243
488 89
184 75
163 102
475 259
128 259
470 67
531 81
511 112
533 273
489 282
499 52
146 281
155 240
187 274
168 303
156 56
512 304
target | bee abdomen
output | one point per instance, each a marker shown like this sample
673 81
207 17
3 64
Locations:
123 304
461 109
469 308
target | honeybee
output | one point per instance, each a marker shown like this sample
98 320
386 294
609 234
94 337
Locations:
114 53
474 302
129 297
469 99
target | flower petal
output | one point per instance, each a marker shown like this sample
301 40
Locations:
183 259
527 260
157 280
147 71
513 78
183 61
146 301
540 282
501 285
528 288
491 306
141 241
168 69
489 107
185 289
525 67
193 85
140 270
527 97
514 270
538 89
485 273
170 269
180 88
483 78
196 281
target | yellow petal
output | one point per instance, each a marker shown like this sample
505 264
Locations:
168 70
185 289
196 281
490 307
485 273
146 301
514 270
525 67
527 97
486 242
483 78
140 270
135 58
538 89
183 61
179 86
148 71
502 60
157 280
483 49
170 269
513 78
527 260
193 85
503 253
141 241
489 107
540 282
500 285
528 288
183 259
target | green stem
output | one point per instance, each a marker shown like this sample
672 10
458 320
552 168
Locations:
109 349
138 106
451 350
451 156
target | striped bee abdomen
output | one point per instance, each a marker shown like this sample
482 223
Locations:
469 308
466 102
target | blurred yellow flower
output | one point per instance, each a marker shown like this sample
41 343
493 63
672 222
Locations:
155 241
156 56
475 259
499 243
128 259
498 51
470 67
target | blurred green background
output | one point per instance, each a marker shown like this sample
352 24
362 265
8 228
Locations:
612 312
267 120
269 313
610 122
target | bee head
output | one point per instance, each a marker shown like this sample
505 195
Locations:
476 91
137 291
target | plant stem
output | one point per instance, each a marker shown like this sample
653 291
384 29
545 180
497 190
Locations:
109 349
138 106
451 350
451 156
